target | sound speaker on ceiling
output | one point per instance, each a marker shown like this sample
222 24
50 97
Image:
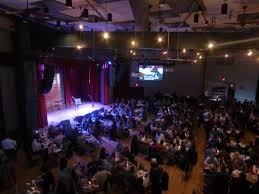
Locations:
47 81
196 18
224 9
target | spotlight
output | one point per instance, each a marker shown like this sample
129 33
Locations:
105 35
196 18
210 45
133 43
78 47
226 55
250 53
81 27
200 57
165 52
224 8
85 14
69 3
159 39
109 16
184 50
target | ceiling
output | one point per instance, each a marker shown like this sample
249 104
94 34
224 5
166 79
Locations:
139 15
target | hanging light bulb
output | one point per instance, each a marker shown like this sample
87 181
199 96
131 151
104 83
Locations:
133 43
200 57
198 54
184 50
226 55
165 52
105 35
159 39
78 47
210 45
195 61
250 53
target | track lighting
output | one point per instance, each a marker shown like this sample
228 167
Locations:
109 18
69 3
85 14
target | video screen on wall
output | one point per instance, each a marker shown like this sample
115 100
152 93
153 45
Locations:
151 72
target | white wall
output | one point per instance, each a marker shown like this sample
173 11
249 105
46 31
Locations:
243 73
184 80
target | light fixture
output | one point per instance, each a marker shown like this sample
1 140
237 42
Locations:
134 53
195 61
81 27
78 47
224 8
133 43
210 45
196 18
250 53
69 3
226 55
58 24
165 52
105 35
159 39
109 62
200 57
85 14
184 50
109 18
198 54
131 51
232 85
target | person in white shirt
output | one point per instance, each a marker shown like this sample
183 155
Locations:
36 145
8 144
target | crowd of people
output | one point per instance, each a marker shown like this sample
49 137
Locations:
228 161
158 127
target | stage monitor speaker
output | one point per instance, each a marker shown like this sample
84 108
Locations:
47 81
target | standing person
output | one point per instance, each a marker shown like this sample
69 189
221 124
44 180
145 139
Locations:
155 178
65 182
134 145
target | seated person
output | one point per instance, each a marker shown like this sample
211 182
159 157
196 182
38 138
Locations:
103 154
211 164
36 145
159 137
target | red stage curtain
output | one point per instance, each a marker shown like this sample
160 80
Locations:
106 85
67 87
43 121
81 79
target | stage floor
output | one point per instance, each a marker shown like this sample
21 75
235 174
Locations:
71 112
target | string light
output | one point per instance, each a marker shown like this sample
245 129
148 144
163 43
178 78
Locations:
210 45
250 53
198 54
133 43
184 50
159 39
78 47
105 35
195 61
226 55
131 51
165 52
134 53
200 57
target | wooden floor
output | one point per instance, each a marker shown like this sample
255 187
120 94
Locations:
177 183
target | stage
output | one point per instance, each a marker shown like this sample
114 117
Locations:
71 112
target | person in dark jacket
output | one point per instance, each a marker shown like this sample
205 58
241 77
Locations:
155 178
